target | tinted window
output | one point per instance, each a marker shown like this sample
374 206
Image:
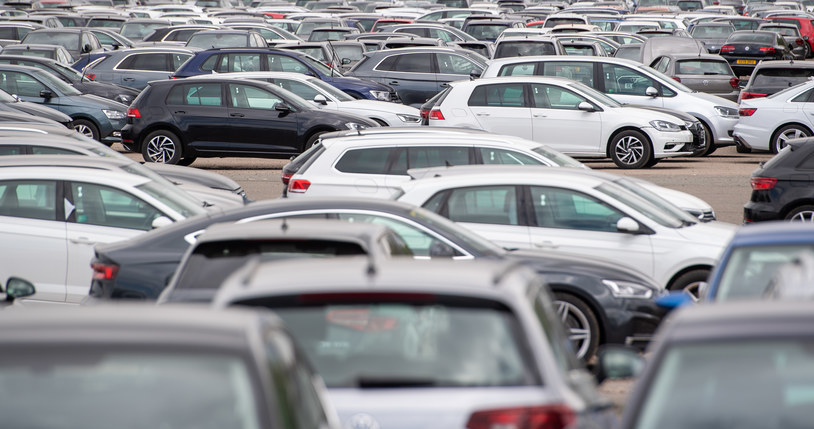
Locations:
711 32
217 40
803 98
46 150
578 71
104 206
414 63
389 63
504 156
365 161
303 90
201 94
780 78
522 49
793 22
455 64
489 204
420 242
285 64
555 97
11 150
181 35
239 63
503 95
424 157
244 96
8 33
753 37
20 84
623 80
209 64
29 199
69 41
703 67
151 62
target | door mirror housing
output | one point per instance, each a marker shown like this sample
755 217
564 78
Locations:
18 288
346 61
586 107
46 94
282 107
617 362
628 225
651 92
161 221
319 99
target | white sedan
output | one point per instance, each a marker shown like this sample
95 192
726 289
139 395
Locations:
767 123
566 115
327 97
574 211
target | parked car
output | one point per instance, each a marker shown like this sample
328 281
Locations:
139 28
770 77
489 29
214 364
446 33
135 67
418 73
77 41
712 34
701 72
342 55
769 123
632 83
781 187
524 46
175 121
799 47
574 212
35 112
96 117
214 39
236 60
803 23
53 52
744 49
12 32
176 34
742 22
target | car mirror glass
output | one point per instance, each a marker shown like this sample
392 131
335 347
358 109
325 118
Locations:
345 61
18 288
282 107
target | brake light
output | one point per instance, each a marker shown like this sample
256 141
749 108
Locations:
104 271
298 186
727 48
799 42
762 183
676 78
90 76
173 77
286 177
767 50
746 111
748 95
436 114
734 82
132 112
541 417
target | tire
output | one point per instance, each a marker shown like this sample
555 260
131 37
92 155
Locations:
87 129
631 149
690 282
313 139
801 214
785 133
710 147
162 146
581 323
187 160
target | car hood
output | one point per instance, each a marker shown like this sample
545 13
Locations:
40 111
648 115
93 101
546 261
104 89
677 113
714 99
341 117
357 83
380 106
710 233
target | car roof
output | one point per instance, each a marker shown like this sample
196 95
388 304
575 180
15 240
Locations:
785 64
768 233
451 139
521 79
69 165
581 58
295 229
495 173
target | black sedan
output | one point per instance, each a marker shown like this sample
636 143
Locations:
783 187
598 301
176 121
744 49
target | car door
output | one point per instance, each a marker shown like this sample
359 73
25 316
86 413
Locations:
33 233
570 221
502 109
558 122
199 111
256 126
629 86
98 214
452 67
411 75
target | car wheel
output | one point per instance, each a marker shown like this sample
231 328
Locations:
87 129
801 214
162 146
313 139
631 149
581 323
187 160
787 133
690 282
710 143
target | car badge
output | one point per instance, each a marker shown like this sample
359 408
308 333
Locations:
705 82
362 421
746 48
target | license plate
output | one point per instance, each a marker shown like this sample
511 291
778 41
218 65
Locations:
746 62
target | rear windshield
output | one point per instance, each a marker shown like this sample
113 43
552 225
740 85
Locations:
208 41
784 31
552 22
410 340
712 32
705 67
524 49
752 37
69 41
780 78
793 22
750 271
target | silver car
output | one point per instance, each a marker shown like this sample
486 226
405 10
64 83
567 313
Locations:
701 72
135 67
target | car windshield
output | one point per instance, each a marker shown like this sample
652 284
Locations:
749 271
353 53
524 48
712 31
703 67
165 192
204 389
750 37
558 158
69 41
30 52
745 384
426 341
140 30
666 80
330 89
596 95
641 205
217 40
57 83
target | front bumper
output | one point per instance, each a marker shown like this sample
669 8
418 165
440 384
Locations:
634 322
667 144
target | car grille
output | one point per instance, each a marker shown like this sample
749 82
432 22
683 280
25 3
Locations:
699 137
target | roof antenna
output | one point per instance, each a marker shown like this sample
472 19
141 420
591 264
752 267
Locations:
284 226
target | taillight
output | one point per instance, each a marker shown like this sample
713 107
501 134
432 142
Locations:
541 417
132 112
763 183
799 42
676 78
424 113
173 77
286 177
748 95
104 271
767 50
734 82
727 48
298 186
746 111
91 76
436 114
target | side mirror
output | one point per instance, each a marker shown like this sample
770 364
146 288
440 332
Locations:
86 48
319 99
346 61
18 288
651 92
616 362
46 94
674 299
439 249
475 74
116 45
161 221
628 225
282 107
586 107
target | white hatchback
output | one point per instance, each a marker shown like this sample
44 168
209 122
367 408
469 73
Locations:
768 123
565 115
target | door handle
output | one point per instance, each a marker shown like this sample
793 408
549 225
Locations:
236 115
539 115
180 112
546 244
129 79
82 240
482 114
394 83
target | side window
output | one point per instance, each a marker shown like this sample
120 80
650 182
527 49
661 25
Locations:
201 94
803 98
503 156
807 164
561 208
28 199
243 62
250 97
555 97
389 63
210 63
440 34
11 150
365 161
420 242
45 150
85 41
623 80
578 71
522 69
20 84
659 64
298 88
178 59
150 62
502 95
414 63
456 64
285 64
395 246
495 205
104 206
8 33
425 157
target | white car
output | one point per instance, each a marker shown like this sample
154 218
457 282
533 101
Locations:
355 164
767 123
630 82
566 115
573 211
328 97
54 209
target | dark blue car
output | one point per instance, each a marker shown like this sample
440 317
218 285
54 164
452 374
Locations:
248 59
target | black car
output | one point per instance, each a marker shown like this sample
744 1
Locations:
744 49
140 268
74 78
783 187
176 121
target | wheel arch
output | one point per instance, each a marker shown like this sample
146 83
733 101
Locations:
686 270
595 307
139 141
313 130
795 204
621 130
777 130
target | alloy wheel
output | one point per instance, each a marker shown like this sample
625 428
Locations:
791 133
579 331
629 150
85 130
803 216
161 149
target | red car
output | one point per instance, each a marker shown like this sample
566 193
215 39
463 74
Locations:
805 25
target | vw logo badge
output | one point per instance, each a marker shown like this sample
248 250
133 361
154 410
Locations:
362 421
746 48
705 82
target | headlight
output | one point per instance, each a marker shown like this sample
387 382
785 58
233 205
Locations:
114 114
665 126
409 118
621 289
726 111
355 126
381 95
124 99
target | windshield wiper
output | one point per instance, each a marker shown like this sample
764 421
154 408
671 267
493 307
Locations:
374 382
